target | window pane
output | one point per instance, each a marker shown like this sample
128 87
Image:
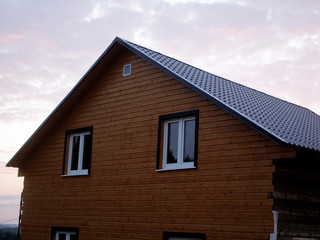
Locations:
75 152
86 151
73 236
181 238
62 236
189 140
172 150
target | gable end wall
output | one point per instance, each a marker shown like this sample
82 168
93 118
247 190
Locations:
226 197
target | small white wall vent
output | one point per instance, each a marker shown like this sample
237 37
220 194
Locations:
127 70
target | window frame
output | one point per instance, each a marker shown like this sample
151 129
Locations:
180 144
164 121
168 235
67 230
66 233
67 160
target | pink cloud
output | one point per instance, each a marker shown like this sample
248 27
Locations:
273 46
11 38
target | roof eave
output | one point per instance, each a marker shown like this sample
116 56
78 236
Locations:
83 84
228 109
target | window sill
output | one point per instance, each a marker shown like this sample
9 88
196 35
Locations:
75 175
174 169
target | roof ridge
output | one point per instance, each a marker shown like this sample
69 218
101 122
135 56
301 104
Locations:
225 79
277 119
269 119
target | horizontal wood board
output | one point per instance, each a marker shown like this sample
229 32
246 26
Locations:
297 198
226 197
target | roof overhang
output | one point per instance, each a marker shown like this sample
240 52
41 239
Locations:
64 106
88 79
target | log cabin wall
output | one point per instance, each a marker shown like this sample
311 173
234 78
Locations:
225 197
297 197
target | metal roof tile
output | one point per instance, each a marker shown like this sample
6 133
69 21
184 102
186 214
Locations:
287 122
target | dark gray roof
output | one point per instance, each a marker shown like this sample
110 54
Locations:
277 119
281 121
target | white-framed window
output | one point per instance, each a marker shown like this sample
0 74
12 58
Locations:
78 148
179 141
62 235
183 236
79 155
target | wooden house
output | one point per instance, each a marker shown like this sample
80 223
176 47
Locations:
148 147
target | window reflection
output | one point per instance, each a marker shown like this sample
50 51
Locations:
172 151
189 140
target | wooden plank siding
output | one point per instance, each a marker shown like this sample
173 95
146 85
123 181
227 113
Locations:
297 197
226 197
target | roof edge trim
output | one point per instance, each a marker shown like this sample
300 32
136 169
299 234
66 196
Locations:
225 107
45 122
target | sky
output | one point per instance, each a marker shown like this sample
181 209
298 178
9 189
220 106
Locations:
47 46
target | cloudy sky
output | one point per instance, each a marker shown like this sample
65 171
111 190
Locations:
47 46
